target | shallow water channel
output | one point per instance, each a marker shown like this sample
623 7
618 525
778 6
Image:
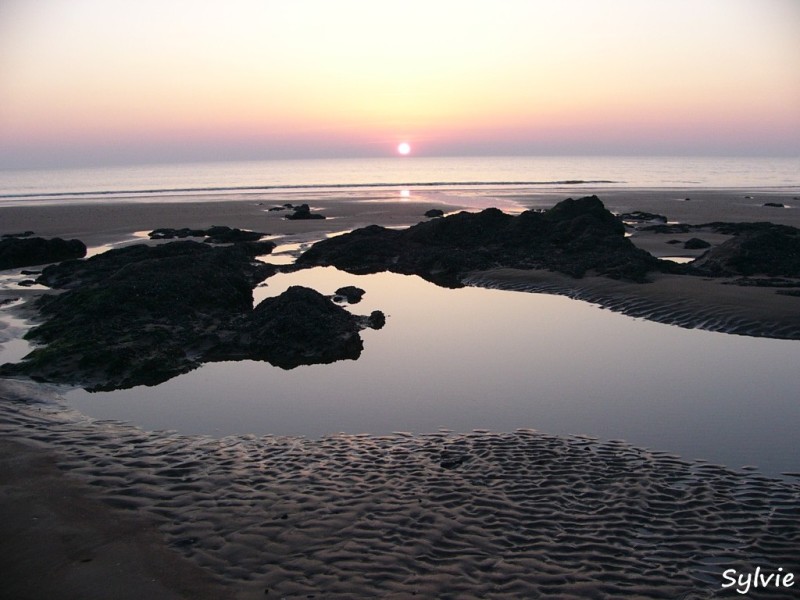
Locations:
474 358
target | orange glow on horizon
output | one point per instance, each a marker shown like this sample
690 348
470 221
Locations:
516 76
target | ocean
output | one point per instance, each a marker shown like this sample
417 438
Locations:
219 179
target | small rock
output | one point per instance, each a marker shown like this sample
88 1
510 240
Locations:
376 320
351 293
639 215
303 212
434 212
696 244
774 204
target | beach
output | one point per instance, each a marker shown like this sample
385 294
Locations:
439 515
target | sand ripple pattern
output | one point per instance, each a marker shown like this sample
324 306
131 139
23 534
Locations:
443 515
683 313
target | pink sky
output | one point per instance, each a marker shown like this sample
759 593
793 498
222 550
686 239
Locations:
111 81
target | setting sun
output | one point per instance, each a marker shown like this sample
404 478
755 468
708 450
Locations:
404 148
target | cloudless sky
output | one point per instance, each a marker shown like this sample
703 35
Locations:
121 81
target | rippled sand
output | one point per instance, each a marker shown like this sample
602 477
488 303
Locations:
443 515
682 300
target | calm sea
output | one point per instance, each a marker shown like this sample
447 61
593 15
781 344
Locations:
223 178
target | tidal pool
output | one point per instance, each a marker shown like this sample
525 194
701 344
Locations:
475 358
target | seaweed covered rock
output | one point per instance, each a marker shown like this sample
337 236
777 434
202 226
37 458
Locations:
301 325
16 251
762 249
573 237
141 315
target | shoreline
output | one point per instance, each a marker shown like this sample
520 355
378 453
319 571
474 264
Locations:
110 220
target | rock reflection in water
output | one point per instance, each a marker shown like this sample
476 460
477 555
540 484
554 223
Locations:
476 358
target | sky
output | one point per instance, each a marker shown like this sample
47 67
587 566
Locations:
94 82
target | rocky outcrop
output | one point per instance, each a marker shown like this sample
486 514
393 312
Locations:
303 212
301 326
217 234
573 237
763 249
16 251
434 212
143 314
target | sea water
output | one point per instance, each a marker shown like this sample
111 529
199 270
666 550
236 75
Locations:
218 180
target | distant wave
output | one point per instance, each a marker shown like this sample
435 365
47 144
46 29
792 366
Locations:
257 188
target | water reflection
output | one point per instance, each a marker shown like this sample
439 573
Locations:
475 358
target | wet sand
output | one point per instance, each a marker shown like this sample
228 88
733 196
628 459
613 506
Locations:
444 515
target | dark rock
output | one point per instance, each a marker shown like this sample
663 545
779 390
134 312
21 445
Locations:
301 326
351 293
18 252
736 228
27 283
671 228
143 314
376 320
225 235
165 233
303 212
75 273
774 204
770 282
674 242
573 237
434 212
257 248
768 249
642 217
217 234
696 244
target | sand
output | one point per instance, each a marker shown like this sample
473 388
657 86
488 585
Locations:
98 509
444 515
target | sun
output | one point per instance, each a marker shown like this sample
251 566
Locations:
403 148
